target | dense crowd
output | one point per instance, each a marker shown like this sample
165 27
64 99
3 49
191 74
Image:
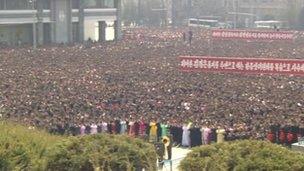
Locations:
138 80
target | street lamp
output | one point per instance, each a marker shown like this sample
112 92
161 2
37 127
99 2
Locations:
32 2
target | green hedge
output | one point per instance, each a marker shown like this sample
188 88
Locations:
25 149
22 148
242 155
102 152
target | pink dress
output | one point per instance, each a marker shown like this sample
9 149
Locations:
206 134
142 128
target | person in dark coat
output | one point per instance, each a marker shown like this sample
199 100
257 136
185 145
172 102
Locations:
190 36
136 128
110 131
184 36
159 131
290 138
195 137
295 132
213 135
117 126
88 129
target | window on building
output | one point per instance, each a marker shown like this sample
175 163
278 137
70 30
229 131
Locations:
18 4
91 3
109 4
75 4
2 4
46 4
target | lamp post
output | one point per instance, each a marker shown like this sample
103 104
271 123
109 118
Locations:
32 2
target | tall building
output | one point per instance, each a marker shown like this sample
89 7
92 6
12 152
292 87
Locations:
57 21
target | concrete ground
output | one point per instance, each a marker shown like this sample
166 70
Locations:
178 154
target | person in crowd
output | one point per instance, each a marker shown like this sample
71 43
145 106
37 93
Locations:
153 132
123 127
195 136
184 36
164 129
282 136
104 127
82 129
190 36
271 137
220 134
186 135
93 129
131 128
142 128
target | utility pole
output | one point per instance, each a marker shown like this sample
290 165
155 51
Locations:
163 14
189 8
81 21
139 12
34 24
237 12
236 15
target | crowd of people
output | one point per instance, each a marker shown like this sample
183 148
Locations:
137 80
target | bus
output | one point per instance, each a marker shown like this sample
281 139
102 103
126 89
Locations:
194 22
271 24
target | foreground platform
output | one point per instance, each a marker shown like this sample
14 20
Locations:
178 154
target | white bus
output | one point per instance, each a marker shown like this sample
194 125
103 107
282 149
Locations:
272 24
194 22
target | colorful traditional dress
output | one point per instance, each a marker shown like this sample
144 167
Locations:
142 128
153 132
220 135
164 129
206 135
131 129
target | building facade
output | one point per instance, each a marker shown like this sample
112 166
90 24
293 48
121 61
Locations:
58 21
248 11
243 13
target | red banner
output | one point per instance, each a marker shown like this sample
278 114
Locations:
249 34
242 65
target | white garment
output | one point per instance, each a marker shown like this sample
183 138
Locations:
202 130
123 127
82 130
93 129
104 127
186 136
